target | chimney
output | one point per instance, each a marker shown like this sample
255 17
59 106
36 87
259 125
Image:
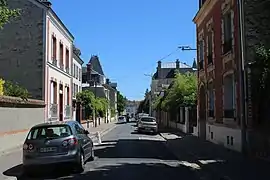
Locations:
88 72
47 3
159 69
177 64
107 81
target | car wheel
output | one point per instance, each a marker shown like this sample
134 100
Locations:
81 164
92 157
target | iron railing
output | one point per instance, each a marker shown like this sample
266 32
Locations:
54 110
54 61
229 113
68 110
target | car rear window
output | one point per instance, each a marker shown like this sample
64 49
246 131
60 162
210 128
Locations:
121 118
146 119
51 132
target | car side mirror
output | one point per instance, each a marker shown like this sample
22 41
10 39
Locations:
86 132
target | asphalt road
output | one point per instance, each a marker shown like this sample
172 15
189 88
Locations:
123 154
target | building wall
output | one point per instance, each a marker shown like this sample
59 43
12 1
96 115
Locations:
76 77
223 64
54 73
22 47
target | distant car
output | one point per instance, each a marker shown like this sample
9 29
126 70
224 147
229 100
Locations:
121 119
56 143
147 124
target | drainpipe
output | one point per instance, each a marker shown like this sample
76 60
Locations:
243 77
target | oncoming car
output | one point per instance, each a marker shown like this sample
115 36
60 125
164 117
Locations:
56 143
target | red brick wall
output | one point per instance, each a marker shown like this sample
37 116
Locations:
216 13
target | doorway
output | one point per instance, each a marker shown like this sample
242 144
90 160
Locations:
61 108
202 113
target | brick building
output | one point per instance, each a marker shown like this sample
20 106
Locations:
218 68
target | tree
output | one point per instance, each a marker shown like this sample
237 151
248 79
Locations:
87 98
182 92
121 102
6 14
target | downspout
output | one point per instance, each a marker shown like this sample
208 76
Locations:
243 77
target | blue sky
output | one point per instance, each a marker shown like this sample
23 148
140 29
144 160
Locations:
130 36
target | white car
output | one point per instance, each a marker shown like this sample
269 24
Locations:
121 119
148 124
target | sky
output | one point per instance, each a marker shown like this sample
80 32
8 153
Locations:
130 36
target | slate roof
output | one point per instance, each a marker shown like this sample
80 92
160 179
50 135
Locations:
168 70
96 66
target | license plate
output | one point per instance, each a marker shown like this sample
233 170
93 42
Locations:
48 149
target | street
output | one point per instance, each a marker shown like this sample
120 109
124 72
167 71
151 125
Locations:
124 154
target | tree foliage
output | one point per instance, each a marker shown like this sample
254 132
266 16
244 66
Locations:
6 14
15 90
143 106
121 102
91 104
260 83
2 87
182 92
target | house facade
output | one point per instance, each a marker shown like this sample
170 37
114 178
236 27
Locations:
163 77
218 72
94 79
77 63
41 60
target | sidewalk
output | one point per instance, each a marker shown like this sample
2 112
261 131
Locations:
215 159
102 129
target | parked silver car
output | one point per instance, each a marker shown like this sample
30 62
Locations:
57 142
147 124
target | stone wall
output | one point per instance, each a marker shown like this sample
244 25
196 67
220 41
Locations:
22 47
17 117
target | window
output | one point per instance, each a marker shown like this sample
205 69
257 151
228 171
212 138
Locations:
73 72
201 54
73 88
210 48
67 60
54 49
52 132
61 56
79 129
54 95
80 77
211 100
227 30
67 88
229 96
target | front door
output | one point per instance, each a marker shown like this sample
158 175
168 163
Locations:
202 113
61 107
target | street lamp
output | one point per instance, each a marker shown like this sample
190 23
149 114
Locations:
187 48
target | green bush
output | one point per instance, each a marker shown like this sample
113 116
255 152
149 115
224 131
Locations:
13 89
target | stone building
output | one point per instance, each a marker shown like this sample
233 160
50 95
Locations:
35 51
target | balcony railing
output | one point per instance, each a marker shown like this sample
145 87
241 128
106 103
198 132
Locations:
68 110
227 46
54 110
62 66
229 113
54 61
67 70
201 65
209 59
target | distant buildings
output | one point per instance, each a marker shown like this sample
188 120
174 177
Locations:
93 79
164 76
131 107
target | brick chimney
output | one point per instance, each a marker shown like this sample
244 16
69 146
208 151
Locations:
159 69
177 62
88 71
108 81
